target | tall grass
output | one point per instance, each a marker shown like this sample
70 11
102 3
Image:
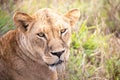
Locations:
6 22
95 53
91 57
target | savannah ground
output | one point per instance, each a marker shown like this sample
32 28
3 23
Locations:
95 46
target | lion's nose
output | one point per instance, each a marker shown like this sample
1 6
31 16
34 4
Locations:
59 53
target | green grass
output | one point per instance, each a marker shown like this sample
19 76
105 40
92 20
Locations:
89 56
6 22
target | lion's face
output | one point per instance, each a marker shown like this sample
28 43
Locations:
47 34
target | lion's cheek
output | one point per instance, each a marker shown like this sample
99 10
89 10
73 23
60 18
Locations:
65 56
66 39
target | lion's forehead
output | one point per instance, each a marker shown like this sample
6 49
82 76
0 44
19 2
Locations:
49 23
57 24
47 18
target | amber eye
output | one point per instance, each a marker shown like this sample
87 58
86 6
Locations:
41 34
63 31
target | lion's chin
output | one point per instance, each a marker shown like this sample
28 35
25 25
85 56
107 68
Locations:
59 66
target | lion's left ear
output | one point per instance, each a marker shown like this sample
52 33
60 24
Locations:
73 15
22 20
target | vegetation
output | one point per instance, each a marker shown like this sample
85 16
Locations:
95 53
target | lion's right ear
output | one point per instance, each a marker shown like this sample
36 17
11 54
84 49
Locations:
22 20
73 15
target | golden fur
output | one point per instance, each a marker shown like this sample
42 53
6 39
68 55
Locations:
39 47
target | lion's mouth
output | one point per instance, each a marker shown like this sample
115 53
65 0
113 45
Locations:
55 64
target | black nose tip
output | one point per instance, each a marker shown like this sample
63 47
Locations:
59 53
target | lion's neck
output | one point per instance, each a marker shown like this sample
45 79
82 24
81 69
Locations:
8 42
19 62
14 45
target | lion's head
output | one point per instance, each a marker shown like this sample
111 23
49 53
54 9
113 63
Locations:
45 35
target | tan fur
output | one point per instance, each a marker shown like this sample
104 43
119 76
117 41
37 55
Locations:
27 53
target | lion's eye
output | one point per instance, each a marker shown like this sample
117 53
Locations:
41 34
63 31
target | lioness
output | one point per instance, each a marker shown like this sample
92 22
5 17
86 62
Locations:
38 47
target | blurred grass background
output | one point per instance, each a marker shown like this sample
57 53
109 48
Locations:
95 47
